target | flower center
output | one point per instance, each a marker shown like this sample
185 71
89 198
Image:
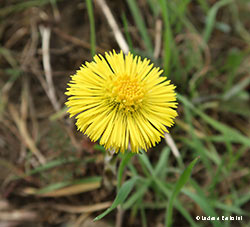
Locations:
127 92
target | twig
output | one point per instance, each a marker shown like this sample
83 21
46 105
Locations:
24 114
45 32
17 215
81 219
76 41
112 23
25 135
119 216
81 209
17 36
169 140
158 35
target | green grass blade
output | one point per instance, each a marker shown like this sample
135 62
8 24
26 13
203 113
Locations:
211 17
167 36
7 54
204 5
231 208
146 163
120 198
195 143
232 64
143 216
155 8
59 185
141 190
125 159
92 26
132 169
140 24
162 162
22 5
127 35
180 183
231 134
201 200
234 90
177 204
53 187
243 199
51 164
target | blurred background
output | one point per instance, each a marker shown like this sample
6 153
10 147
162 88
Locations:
52 175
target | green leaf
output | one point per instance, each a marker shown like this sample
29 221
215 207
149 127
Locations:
180 183
125 159
120 198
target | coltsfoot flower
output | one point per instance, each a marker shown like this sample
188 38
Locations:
122 101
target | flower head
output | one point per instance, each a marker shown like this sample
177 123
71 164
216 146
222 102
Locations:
122 101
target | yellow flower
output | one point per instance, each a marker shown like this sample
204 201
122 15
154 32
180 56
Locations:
122 101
